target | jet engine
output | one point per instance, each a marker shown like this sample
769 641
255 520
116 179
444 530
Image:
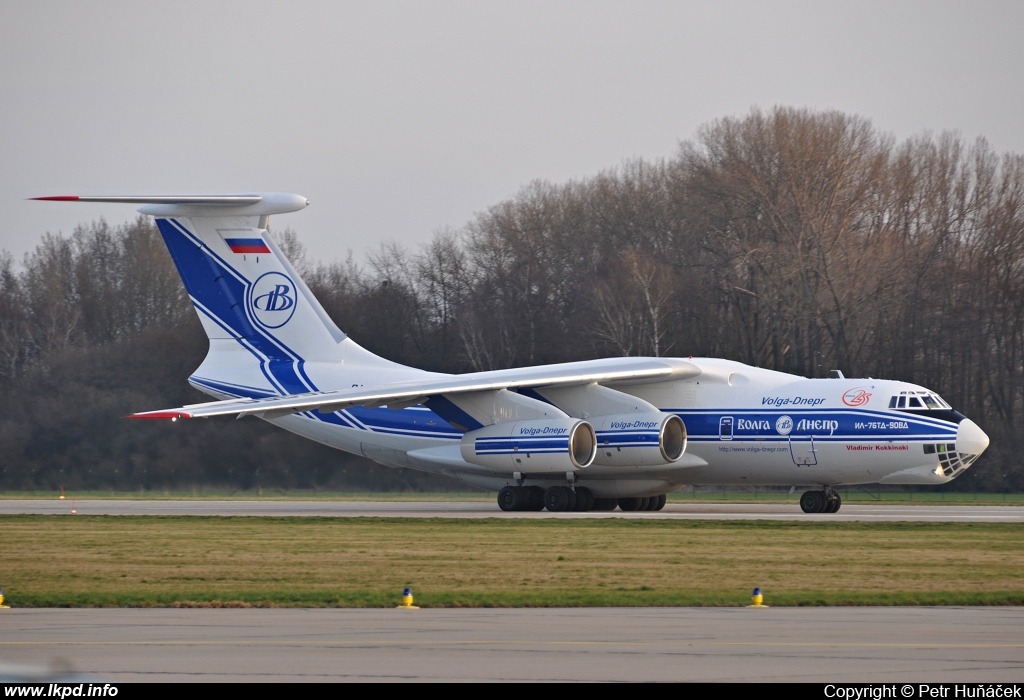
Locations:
634 439
545 445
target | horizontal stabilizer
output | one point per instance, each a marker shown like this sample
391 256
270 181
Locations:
229 200
247 204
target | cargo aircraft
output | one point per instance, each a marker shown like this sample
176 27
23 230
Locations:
599 434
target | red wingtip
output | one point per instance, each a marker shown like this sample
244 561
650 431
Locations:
61 198
159 415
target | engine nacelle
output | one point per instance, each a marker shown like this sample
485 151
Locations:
635 439
543 445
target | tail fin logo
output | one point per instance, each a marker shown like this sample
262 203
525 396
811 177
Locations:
272 300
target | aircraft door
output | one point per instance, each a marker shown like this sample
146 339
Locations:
803 451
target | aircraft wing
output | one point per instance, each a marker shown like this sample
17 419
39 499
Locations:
624 370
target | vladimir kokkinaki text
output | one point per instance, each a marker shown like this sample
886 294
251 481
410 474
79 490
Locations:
923 690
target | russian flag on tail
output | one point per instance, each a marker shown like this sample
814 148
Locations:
247 245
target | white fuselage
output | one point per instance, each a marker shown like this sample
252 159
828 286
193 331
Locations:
745 425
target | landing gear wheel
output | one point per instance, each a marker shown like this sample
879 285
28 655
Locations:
629 504
839 503
584 499
813 502
645 503
604 504
511 498
534 498
558 499
656 502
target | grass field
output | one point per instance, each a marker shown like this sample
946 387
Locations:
851 496
166 561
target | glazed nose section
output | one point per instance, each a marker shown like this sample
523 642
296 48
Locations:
970 439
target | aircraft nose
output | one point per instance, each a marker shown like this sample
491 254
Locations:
970 439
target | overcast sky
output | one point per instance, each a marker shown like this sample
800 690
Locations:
400 118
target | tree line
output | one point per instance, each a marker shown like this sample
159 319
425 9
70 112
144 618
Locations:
789 239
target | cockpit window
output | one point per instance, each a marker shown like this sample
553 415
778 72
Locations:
919 399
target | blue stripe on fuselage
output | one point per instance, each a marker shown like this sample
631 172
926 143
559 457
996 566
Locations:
823 424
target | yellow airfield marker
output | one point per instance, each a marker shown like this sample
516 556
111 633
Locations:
407 600
74 502
61 494
757 599
2 606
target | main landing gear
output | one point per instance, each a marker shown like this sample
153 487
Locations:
646 503
827 501
561 499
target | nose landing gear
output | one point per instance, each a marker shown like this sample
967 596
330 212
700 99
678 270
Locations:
827 501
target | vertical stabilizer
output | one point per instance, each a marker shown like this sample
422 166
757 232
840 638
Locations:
263 322
245 290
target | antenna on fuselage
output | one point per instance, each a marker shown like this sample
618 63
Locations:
839 374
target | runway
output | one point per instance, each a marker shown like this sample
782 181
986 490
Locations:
489 509
590 644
